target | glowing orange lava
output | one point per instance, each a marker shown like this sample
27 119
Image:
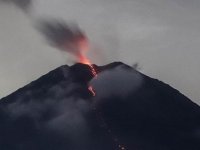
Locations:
90 88
86 61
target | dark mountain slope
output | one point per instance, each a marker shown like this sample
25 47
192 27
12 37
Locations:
58 112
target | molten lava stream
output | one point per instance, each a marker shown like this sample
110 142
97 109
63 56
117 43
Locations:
90 88
94 73
86 61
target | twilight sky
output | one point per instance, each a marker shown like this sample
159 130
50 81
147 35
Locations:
162 35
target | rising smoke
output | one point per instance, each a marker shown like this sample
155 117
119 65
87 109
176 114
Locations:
22 4
66 37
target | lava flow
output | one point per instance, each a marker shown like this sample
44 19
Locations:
90 88
86 61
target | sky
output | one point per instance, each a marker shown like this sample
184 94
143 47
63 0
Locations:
161 35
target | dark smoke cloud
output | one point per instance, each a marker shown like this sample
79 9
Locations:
66 37
23 4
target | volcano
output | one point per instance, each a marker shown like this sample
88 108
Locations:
130 111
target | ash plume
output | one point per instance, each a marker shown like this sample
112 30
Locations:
22 4
66 37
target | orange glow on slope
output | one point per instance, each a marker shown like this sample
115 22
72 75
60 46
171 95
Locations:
86 61
94 73
90 88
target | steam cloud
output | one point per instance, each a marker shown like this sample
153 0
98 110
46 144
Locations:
117 82
66 114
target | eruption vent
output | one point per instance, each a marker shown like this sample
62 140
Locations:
69 38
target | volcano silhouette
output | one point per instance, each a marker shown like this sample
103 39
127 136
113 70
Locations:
58 112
